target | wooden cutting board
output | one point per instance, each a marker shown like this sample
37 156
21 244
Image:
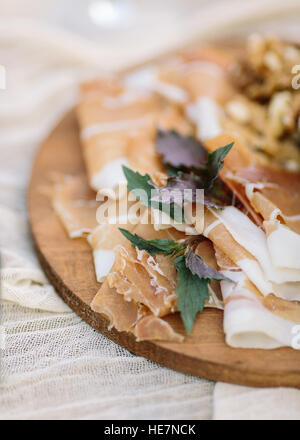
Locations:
69 267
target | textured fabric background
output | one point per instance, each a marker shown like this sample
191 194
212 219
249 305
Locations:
53 365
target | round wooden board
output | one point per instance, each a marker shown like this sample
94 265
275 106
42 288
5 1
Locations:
69 267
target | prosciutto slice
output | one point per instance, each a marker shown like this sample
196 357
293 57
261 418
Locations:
246 246
110 115
274 194
271 193
131 317
189 75
152 328
149 282
75 204
121 314
130 278
112 215
252 320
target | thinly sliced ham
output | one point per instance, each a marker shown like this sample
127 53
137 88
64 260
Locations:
111 216
131 279
200 72
142 152
258 247
283 244
152 328
121 314
270 192
130 317
110 115
206 251
151 280
75 204
246 246
140 277
252 320
103 240
275 195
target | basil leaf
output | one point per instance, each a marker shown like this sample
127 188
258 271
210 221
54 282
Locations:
146 192
191 291
217 196
140 185
180 151
198 267
215 163
163 246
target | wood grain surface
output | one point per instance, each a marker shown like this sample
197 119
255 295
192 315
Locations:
69 267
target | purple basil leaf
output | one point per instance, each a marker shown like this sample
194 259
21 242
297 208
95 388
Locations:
175 191
218 195
198 267
180 151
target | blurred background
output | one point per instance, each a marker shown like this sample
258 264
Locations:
127 31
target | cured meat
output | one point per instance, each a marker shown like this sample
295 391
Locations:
128 316
269 191
121 314
246 245
274 194
152 328
110 115
189 75
103 240
149 280
75 204
115 122
112 215
252 320
257 246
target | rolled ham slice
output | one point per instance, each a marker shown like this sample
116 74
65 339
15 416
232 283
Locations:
252 320
246 245
189 75
110 115
271 193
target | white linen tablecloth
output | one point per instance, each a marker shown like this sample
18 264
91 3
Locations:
53 365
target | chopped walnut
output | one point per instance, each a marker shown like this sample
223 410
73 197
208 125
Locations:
265 113
280 114
265 67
